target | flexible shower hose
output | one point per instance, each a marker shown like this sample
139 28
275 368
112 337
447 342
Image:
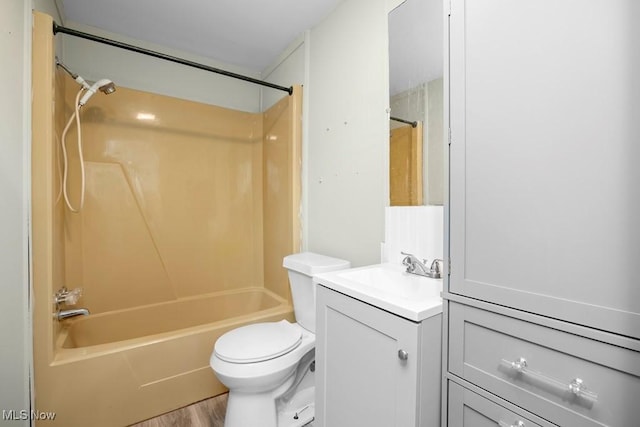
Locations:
75 115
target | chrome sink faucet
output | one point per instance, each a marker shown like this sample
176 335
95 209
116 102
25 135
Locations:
415 266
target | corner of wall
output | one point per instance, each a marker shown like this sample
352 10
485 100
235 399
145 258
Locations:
281 160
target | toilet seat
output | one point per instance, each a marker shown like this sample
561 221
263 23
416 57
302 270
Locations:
258 342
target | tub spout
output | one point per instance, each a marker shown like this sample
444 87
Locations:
64 314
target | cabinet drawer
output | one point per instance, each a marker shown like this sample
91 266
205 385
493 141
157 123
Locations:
540 368
468 409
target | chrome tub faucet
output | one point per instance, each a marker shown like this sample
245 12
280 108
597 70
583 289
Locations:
68 297
65 314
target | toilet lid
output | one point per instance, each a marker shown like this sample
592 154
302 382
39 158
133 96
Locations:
258 342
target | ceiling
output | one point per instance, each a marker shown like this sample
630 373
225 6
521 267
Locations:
253 33
248 33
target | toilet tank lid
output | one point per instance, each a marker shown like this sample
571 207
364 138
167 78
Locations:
310 263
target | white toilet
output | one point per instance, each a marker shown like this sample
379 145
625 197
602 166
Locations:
268 367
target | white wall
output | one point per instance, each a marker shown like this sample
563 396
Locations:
287 70
94 61
54 9
348 131
15 116
50 7
435 143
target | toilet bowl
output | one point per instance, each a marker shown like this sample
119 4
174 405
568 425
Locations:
258 382
268 367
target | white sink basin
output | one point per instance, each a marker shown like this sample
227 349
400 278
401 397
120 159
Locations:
389 287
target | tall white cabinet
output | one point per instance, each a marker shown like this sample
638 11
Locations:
542 300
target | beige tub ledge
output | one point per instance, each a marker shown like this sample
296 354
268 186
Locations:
121 330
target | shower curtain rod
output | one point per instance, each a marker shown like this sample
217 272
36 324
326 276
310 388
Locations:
396 119
59 29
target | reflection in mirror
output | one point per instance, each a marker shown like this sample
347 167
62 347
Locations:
405 163
416 154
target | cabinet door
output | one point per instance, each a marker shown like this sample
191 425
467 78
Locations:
468 409
544 176
360 378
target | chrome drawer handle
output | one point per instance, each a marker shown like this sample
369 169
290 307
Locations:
403 355
575 387
518 423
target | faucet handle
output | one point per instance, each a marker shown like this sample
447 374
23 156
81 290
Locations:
73 296
409 261
68 297
408 258
436 266
412 257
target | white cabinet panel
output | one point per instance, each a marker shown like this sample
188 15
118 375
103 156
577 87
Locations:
544 181
374 368
360 378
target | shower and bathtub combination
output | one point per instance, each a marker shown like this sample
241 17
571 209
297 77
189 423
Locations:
188 212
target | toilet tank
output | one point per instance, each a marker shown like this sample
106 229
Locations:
302 267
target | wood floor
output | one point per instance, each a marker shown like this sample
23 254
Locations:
207 413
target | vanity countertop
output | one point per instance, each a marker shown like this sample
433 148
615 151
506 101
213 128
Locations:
389 287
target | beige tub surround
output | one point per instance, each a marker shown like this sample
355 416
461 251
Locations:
189 209
185 192
173 201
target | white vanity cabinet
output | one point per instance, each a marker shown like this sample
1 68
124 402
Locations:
374 368
543 236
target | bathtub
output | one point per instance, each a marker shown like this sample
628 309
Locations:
125 366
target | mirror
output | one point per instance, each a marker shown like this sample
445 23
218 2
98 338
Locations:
416 143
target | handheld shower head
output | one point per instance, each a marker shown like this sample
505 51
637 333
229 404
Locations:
105 86
108 88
